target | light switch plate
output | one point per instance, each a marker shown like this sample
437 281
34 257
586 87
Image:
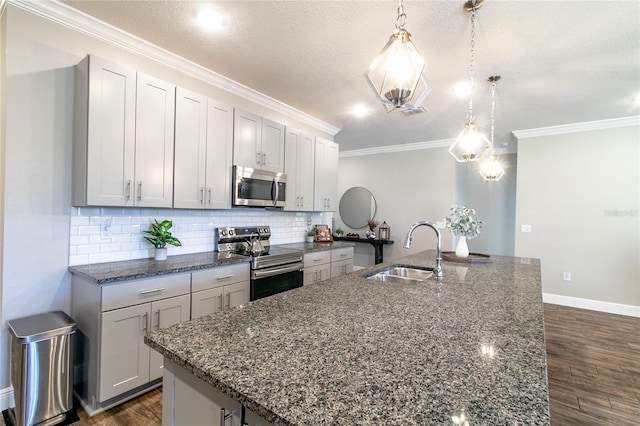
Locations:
526 228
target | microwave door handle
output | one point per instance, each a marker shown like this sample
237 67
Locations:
275 192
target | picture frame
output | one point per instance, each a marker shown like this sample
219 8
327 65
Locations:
323 233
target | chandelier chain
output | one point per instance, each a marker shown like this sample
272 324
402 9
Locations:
493 112
471 63
402 17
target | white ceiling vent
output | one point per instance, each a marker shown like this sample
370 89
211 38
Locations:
411 110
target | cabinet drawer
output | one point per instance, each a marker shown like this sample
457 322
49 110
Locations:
317 258
128 293
219 276
341 254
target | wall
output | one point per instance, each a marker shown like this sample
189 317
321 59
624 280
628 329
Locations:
495 205
408 186
580 193
39 58
4 394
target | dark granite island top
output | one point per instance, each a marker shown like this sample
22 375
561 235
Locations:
356 351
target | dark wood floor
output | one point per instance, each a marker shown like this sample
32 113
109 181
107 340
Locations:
593 362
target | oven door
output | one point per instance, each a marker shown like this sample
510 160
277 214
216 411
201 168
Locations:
269 281
258 188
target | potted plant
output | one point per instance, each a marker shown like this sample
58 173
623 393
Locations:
463 224
159 236
339 232
310 235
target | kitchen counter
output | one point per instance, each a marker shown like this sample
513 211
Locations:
316 246
356 351
105 273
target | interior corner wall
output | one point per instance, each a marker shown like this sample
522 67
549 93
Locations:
495 205
408 186
580 194
4 396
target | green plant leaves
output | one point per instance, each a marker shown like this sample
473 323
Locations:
159 235
462 222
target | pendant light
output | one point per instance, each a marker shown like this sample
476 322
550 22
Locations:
491 169
395 73
471 144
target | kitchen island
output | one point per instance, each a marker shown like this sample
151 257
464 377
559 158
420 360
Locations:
356 351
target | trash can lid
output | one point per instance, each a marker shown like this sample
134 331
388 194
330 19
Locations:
41 327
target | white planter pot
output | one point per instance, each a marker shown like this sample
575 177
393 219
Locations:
160 254
310 239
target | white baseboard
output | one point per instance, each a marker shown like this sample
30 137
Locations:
593 305
6 398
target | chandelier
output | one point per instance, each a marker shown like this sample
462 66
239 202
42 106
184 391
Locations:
491 169
471 144
394 75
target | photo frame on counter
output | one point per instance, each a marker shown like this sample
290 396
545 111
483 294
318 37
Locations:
323 233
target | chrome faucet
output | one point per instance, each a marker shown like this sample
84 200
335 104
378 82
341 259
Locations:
407 243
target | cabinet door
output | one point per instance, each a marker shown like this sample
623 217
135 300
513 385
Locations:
111 134
124 358
155 110
306 172
165 313
291 167
326 175
315 274
247 137
341 267
190 150
236 294
206 302
219 155
272 146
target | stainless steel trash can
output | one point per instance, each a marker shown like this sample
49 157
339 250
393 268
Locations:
42 348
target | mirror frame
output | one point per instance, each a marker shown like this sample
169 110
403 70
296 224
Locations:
357 216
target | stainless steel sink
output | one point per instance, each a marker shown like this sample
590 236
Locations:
399 274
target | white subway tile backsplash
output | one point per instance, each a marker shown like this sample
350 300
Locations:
90 243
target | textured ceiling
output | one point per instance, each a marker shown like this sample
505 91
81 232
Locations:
561 62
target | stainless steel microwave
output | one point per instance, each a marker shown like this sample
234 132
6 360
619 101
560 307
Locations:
258 188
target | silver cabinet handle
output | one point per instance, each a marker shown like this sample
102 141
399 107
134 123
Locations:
225 277
302 201
224 416
264 158
258 158
153 290
158 321
228 300
128 190
140 190
221 307
209 193
202 194
146 319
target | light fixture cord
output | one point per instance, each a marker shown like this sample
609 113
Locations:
493 112
471 62
402 17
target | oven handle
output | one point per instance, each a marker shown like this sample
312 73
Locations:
277 271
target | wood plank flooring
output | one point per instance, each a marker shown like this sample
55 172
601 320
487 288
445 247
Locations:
593 362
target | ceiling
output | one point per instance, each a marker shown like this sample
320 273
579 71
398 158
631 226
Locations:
561 62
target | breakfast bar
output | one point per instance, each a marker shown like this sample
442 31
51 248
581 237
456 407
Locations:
351 350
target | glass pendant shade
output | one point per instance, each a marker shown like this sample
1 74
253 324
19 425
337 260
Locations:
395 73
491 169
471 144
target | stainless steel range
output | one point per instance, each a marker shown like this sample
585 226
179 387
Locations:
273 269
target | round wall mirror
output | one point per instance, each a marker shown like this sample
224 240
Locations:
357 206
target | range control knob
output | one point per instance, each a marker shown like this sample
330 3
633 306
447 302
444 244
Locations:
231 232
223 232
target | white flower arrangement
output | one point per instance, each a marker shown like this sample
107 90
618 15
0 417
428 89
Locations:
462 222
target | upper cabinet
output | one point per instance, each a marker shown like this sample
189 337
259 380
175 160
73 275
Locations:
326 176
123 137
203 154
258 143
298 166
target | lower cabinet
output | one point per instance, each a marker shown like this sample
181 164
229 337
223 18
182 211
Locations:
219 288
322 265
114 364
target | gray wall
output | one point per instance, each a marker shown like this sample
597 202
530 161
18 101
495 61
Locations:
408 186
580 194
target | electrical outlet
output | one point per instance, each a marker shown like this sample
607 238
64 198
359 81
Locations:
567 276
525 260
526 228
106 228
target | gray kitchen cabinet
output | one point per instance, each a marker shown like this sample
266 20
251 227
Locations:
325 197
317 266
203 152
123 137
258 142
341 261
114 363
215 289
298 165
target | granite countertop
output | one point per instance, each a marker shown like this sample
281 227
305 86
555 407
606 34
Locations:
316 246
106 273
356 351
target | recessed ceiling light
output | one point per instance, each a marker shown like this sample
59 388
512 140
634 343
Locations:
359 110
462 89
210 20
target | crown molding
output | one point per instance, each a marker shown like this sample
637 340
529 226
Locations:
578 127
85 24
397 148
